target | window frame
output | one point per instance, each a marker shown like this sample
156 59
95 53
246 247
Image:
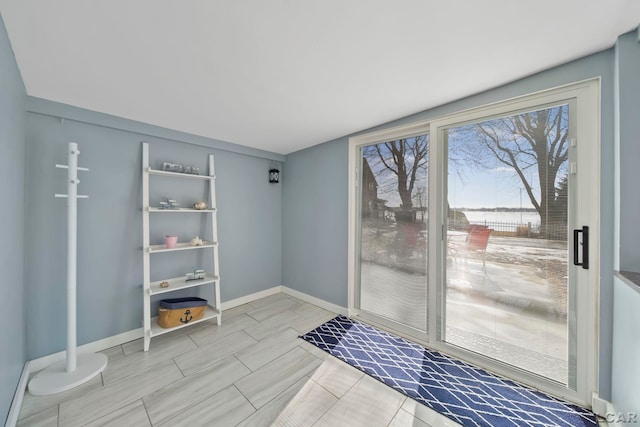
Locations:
587 105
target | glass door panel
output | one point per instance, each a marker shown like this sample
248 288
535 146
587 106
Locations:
508 284
393 231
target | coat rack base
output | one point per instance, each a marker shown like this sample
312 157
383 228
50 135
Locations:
56 379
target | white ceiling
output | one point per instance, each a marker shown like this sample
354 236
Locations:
281 75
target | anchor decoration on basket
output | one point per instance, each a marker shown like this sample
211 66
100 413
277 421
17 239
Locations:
177 312
187 317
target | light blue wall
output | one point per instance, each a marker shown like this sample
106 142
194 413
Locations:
110 221
628 114
626 344
314 215
625 394
322 193
13 100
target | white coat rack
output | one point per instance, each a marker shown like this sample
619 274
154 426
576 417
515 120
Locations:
77 368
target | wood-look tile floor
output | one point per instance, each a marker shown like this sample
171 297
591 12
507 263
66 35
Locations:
251 371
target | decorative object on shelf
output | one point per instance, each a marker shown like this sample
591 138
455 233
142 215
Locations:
180 311
164 284
201 205
172 167
178 168
168 203
170 241
274 174
196 241
197 274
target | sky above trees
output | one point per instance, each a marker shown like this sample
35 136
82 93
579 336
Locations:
514 161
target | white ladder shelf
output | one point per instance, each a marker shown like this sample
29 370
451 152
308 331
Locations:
212 278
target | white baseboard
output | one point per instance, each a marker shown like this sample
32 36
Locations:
600 406
40 363
316 301
226 305
16 404
611 411
92 347
103 344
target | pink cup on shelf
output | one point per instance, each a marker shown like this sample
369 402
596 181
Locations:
170 241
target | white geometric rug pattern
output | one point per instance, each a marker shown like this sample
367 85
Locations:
464 393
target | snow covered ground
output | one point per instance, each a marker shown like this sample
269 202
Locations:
515 311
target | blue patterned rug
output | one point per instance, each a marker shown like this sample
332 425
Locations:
466 394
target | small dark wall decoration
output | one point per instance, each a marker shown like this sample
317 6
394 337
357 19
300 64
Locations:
274 175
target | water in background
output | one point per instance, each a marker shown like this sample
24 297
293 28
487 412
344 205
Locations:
479 217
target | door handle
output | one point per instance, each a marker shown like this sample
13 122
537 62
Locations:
585 247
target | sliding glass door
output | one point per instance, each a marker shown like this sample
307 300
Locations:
393 231
471 233
509 288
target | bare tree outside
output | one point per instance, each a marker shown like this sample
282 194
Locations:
534 145
420 199
403 159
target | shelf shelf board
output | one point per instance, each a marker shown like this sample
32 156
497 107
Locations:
210 313
180 175
180 247
181 210
178 283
